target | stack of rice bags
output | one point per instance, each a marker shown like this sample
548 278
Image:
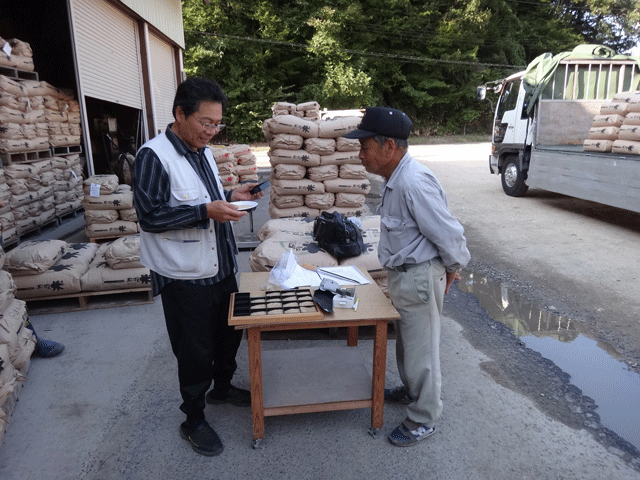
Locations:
116 266
49 268
68 188
314 168
16 54
7 220
16 344
236 164
616 128
32 194
108 207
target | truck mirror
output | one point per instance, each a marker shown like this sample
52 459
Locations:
482 92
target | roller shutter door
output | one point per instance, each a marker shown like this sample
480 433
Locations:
163 77
106 45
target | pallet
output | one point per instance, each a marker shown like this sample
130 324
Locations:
69 215
66 150
24 157
18 74
107 239
81 301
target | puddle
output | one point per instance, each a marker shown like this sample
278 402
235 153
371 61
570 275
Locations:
595 367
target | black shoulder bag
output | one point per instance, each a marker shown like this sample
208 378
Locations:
337 235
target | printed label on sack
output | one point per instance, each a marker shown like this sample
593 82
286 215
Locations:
94 190
6 48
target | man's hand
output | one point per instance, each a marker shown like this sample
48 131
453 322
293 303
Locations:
451 277
222 211
242 193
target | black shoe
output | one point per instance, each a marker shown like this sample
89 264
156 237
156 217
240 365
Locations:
203 439
48 348
235 396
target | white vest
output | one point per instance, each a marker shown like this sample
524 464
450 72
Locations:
185 254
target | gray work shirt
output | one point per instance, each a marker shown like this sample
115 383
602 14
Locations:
415 222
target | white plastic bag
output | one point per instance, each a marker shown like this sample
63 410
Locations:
282 271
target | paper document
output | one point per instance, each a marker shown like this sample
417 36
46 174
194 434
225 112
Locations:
302 277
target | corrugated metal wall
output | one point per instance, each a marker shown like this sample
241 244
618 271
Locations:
107 51
164 80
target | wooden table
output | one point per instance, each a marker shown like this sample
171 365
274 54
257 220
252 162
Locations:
374 309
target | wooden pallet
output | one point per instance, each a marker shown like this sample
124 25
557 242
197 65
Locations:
24 157
88 301
18 74
66 150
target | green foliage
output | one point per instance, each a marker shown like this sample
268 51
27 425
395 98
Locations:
425 57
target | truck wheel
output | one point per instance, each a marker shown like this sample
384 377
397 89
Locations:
513 177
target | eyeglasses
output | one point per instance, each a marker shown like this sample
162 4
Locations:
211 126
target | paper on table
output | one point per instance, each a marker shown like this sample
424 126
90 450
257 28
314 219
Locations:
302 277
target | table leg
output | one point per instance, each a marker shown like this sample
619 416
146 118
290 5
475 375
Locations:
255 374
352 336
379 369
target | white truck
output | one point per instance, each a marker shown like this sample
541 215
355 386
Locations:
544 114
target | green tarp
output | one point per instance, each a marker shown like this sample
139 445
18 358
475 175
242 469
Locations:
541 70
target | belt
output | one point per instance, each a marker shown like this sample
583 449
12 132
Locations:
406 266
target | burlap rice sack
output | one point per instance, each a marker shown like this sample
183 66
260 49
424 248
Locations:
626 147
340 158
12 86
100 276
352 171
18 186
63 277
349 200
7 289
297 187
629 132
286 141
613 120
632 118
287 201
610 108
33 257
294 157
9 235
275 225
321 146
100 216
108 184
239 149
21 170
275 212
323 172
304 106
265 255
116 201
21 353
12 320
337 127
128 214
27 225
113 229
321 201
294 125
285 171
345 185
12 146
351 211
124 253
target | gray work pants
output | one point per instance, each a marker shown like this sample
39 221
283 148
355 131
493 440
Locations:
418 294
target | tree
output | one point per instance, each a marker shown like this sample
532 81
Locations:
424 57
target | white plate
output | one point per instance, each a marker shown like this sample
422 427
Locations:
245 205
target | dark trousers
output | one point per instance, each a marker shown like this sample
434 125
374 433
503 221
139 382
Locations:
203 343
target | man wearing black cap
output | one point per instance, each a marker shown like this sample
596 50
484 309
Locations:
421 246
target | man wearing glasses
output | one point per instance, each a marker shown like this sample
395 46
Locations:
187 242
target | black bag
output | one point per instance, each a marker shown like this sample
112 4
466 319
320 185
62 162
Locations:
338 235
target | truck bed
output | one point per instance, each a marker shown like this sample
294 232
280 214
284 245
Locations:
607 178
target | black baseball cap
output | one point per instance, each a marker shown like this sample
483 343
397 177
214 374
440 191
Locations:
384 121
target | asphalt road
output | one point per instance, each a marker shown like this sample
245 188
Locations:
107 407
